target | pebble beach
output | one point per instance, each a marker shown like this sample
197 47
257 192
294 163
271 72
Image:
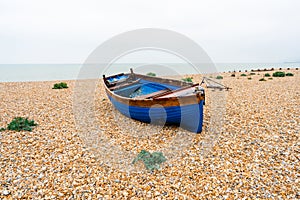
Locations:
249 147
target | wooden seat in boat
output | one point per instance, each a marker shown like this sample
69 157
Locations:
152 95
124 84
175 91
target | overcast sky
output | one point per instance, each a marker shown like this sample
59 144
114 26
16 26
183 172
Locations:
57 31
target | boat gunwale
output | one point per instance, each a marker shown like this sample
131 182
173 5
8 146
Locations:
162 101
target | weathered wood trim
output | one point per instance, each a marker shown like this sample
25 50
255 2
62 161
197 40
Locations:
174 91
168 101
164 80
154 94
123 84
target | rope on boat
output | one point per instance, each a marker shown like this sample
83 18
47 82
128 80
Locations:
213 84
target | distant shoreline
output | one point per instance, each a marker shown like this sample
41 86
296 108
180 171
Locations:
52 72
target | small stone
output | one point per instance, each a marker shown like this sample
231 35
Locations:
149 195
125 193
5 192
156 193
41 176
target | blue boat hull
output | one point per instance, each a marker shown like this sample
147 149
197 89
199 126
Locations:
189 117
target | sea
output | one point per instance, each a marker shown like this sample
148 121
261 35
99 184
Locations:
51 72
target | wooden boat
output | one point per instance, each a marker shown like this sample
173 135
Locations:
157 100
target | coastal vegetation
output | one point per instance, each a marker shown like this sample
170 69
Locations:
20 124
151 161
279 74
262 79
151 74
188 79
60 85
219 77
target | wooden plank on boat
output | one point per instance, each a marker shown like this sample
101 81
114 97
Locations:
174 91
123 84
168 81
151 95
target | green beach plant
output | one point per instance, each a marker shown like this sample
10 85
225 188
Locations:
262 79
219 77
60 85
232 75
188 79
279 74
151 161
270 78
267 75
21 124
249 78
289 74
151 74
252 73
243 75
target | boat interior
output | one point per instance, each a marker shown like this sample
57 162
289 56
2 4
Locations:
139 86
